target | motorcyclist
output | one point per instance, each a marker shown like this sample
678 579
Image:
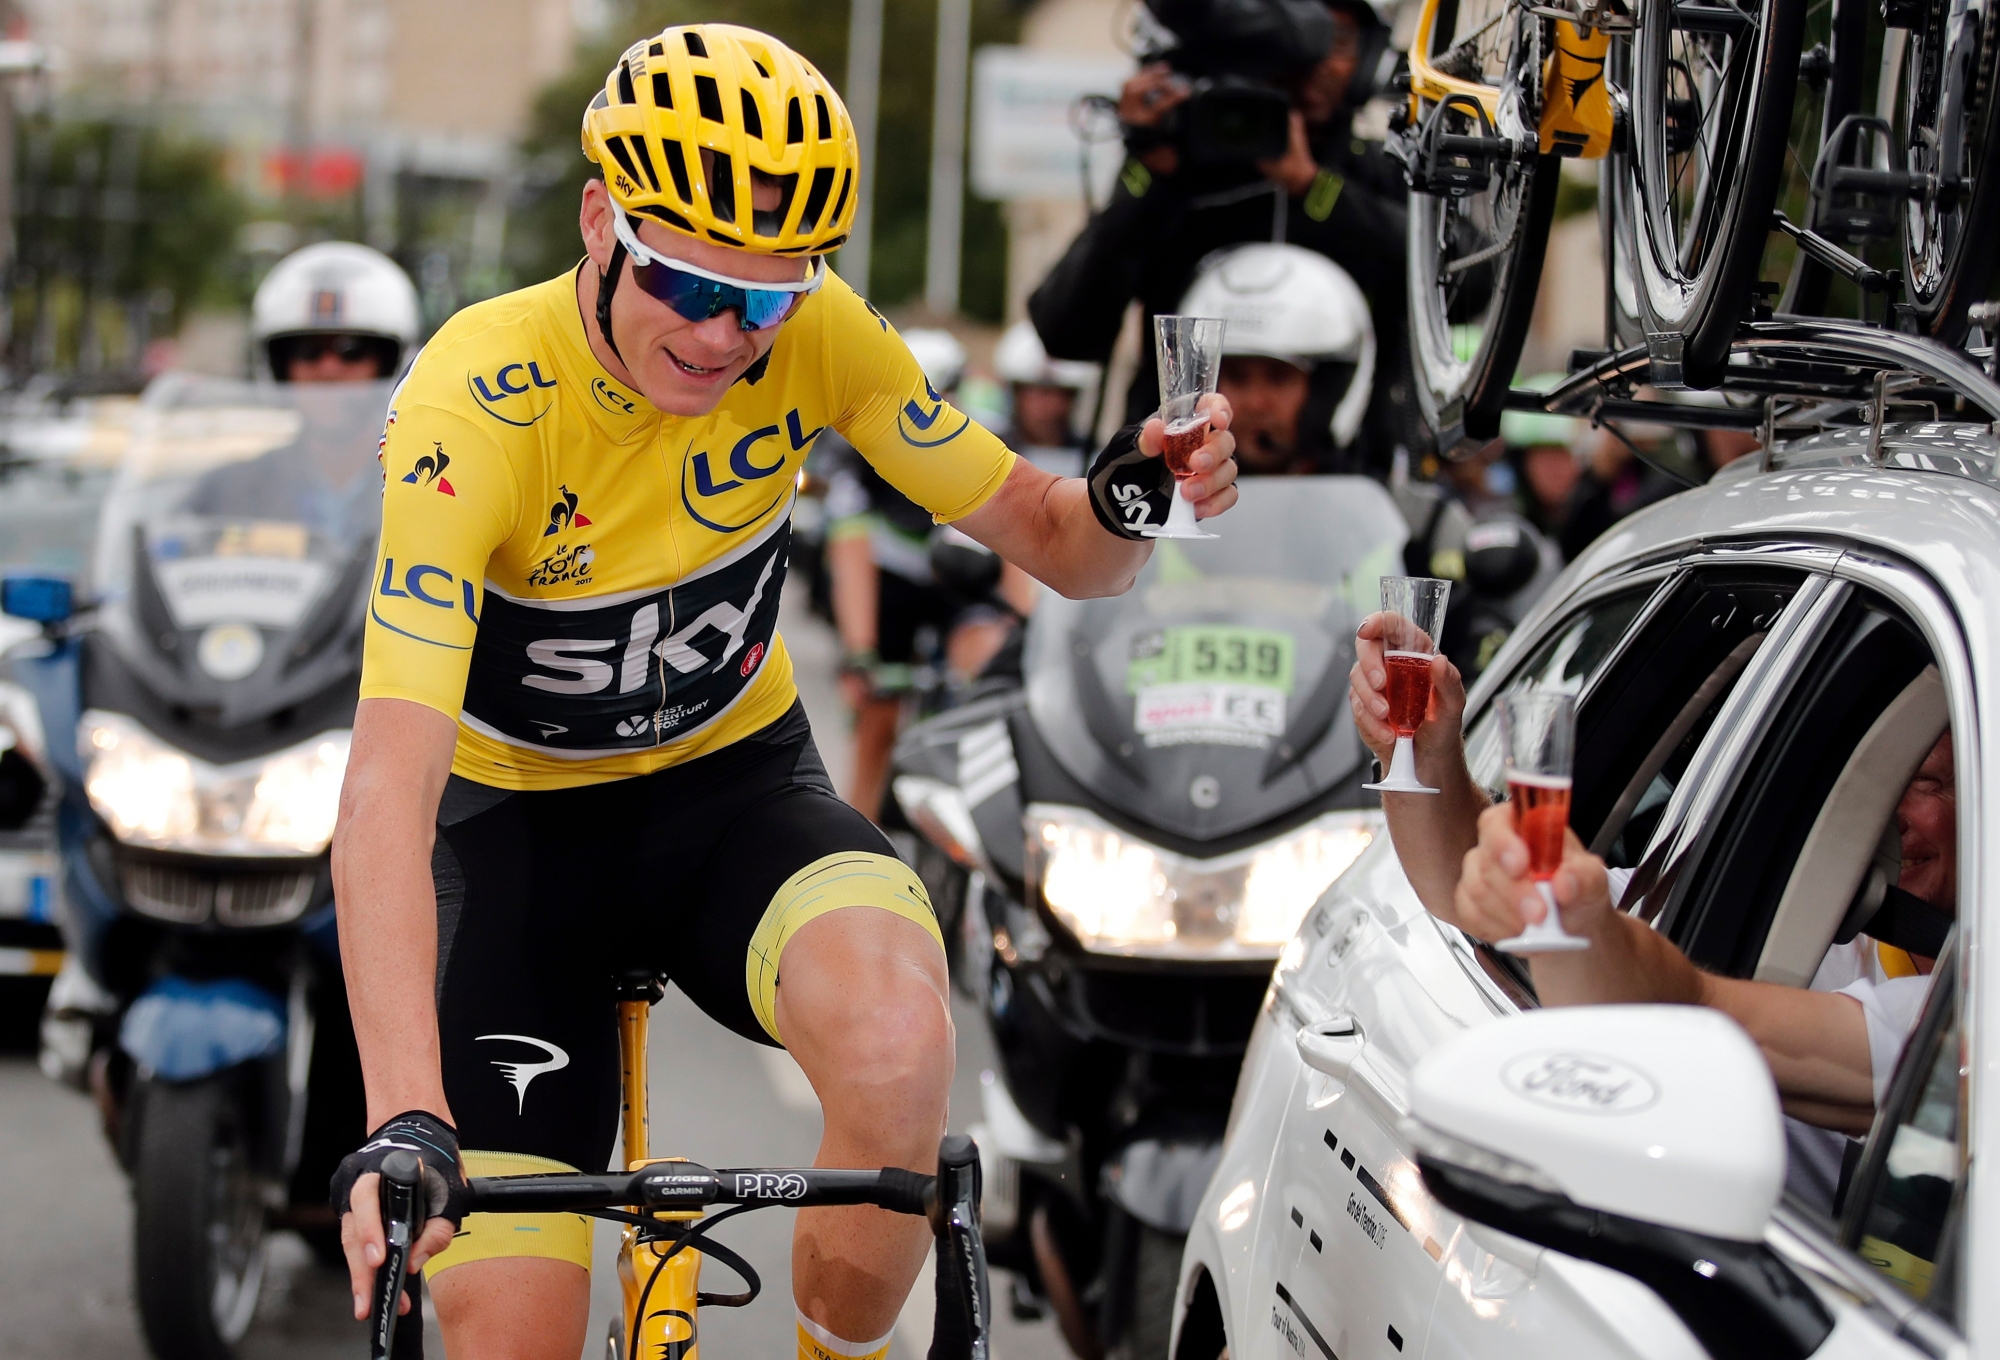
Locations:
334 312
884 594
1050 400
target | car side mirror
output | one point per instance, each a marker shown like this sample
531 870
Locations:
38 599
1643 1138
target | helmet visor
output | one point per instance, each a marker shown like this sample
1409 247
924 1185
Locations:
695 294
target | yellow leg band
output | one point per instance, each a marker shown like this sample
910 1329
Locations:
817 1343
852 878
487 1237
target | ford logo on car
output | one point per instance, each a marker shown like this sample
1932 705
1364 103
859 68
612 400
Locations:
1581 1083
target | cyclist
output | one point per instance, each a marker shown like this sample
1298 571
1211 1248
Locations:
884 597
579 748
334 312
1049 399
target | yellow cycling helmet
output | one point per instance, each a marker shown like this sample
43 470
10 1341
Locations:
754 105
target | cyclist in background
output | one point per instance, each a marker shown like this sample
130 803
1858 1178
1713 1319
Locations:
579 748
1051 401
892 615
335 312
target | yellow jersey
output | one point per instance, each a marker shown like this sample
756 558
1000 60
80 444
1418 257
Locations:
588 585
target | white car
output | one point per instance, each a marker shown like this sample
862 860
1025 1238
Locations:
1760 666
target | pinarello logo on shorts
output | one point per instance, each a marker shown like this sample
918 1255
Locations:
752 658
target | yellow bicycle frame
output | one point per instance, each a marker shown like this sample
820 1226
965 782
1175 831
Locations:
668 1331
1575 119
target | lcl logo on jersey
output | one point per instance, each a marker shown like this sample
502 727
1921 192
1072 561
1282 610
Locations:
921 428
432 585
429 470
744 466
512 394
611 399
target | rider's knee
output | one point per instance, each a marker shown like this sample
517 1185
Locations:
894 1033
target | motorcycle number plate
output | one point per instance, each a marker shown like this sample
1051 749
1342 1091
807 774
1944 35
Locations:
1211 654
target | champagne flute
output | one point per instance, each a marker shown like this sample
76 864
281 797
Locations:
1413 609
1538 733
1189 351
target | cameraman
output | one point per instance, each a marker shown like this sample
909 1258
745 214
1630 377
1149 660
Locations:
1327 192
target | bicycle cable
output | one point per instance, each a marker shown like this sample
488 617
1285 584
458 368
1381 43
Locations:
688 1238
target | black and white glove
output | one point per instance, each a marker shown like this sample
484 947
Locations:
436 1145
1128 490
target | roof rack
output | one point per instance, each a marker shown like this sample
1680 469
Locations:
1795 374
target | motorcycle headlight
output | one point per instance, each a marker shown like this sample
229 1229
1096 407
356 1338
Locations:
152 795
1119 895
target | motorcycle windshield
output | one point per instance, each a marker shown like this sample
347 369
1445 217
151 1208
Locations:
237 537
1212 696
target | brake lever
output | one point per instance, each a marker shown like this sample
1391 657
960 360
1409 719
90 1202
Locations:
402 1217
963 1330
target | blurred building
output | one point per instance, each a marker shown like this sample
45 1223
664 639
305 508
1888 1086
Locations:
372 118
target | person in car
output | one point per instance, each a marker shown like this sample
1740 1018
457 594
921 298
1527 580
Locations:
1832 1047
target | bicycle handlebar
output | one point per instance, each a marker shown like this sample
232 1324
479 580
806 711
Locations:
948 1200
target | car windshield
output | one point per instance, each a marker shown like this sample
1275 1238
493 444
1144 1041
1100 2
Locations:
246 498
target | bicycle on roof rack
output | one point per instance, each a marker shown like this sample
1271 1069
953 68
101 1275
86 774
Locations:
665 1205
1714 130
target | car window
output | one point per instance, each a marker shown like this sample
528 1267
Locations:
1905 1205
1567 659
1720 906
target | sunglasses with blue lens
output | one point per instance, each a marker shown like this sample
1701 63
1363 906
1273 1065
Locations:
696 295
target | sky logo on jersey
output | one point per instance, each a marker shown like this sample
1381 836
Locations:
512 394
611 399
563 514
920 428
429 470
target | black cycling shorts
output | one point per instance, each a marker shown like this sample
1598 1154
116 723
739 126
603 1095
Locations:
902 608
700 871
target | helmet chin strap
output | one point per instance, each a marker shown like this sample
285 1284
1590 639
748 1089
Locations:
607 284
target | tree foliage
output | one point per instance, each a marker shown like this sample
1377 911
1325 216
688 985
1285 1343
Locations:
543 233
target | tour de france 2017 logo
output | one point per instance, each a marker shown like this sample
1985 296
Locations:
429 471
516 393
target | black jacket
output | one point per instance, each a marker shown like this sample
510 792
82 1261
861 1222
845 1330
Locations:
1156 230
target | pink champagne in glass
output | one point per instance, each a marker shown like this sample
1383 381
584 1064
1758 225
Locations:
1409 690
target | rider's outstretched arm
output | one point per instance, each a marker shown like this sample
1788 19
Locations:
1432 831
396 772
1046 526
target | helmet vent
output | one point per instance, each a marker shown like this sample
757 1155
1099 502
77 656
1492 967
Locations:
795 126
772 223
753 121
646 163
721 186
663 90
598 101
825 119
816 196
846 182
656 50
623 157
625 95
760 68
708 98
670 217
677 167
696 47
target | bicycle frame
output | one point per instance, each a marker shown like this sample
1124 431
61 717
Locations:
659 1268
1430 85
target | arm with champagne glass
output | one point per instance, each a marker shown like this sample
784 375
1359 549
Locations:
1816 1043
1432 832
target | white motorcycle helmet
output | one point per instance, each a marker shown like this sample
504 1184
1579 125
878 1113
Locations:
335 291
939 354
1288 303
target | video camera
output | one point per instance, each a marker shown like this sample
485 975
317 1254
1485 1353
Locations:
1243 58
